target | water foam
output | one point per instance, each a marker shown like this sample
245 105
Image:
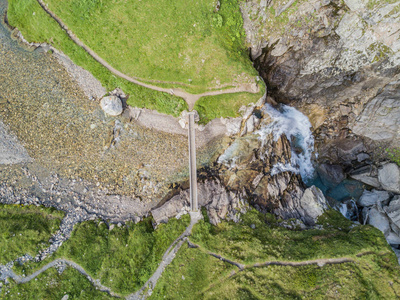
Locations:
297 128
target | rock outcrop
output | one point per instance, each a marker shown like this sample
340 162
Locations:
220 203
338 62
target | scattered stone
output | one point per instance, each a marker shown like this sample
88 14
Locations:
389 177
373 197
112 105
393 210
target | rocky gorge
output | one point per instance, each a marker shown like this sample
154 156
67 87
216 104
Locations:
94 157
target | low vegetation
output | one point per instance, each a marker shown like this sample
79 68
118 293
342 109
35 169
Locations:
123 258
394 155
201 50
37 26
268 241
53 285
257 238
372 277
225 105
188 43
26 230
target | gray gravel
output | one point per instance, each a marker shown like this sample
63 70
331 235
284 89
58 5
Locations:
11 151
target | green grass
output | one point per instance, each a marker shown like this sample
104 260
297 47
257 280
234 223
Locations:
123 258
52 285
37 26
194 274
372 277
163 40
26 230
374 3
125 34
394 155
190 273
225 105
239 242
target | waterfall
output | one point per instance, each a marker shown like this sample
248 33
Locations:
297 128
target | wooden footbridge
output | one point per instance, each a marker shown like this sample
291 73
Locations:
192 164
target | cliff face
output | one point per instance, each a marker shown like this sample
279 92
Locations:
337 61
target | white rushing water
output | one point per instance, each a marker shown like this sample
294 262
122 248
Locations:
297 128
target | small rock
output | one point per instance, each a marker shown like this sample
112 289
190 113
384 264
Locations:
362 156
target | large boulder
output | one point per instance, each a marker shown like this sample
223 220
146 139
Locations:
378 220
313 204
367 175
369 198
172 208
389 177
240 153
112 105
331 175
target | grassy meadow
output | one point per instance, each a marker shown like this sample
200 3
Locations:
123 258
37 26
169 44
194 274
174 41
26 230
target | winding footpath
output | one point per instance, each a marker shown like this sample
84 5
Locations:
146 291
168 257
58 263
188 97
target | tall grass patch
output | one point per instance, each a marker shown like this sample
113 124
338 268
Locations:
26 230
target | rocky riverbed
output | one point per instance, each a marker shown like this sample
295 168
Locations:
69 136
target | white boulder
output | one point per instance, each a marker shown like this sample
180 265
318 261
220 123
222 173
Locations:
112 105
